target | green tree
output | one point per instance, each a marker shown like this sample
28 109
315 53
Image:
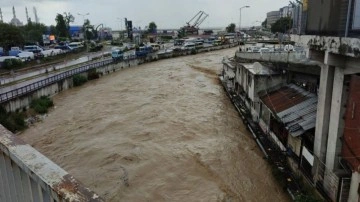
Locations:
69 18
33 32
88 30
152 27
264 24
231 28
10 36
53 30
61 27
282 25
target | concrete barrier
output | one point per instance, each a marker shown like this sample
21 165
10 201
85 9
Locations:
282 57
27 175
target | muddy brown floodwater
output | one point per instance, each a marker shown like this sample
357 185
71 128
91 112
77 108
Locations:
162 131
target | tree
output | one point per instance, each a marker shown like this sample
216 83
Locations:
53 30
61 27
231 28
33 32
88 30
10 36
152 27
69 18
282 25
264 24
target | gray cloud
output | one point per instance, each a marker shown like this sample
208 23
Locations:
165 13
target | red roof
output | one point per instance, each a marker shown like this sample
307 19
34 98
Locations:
283 98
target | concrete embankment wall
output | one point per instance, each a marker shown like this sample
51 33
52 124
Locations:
22 101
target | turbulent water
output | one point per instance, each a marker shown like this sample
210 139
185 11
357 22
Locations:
162 131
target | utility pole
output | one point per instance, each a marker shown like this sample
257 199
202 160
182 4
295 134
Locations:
1 16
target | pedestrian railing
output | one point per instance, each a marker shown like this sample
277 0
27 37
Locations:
6 96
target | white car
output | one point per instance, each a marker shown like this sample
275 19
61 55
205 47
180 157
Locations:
27 56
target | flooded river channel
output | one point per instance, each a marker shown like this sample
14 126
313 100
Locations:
162 131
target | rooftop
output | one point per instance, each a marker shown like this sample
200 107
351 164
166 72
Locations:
258 69
294 106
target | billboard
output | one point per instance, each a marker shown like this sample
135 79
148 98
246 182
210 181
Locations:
356 16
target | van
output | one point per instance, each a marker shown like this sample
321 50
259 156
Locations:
188 46
76 45
35 49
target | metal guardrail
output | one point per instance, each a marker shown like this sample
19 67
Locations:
50 80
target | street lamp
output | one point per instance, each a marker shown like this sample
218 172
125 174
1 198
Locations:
85 30
240 16
83 15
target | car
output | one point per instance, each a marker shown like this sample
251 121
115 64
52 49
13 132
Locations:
288 47
33 48
264 50
65 48
27 56
188 46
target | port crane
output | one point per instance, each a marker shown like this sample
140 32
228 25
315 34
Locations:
192 27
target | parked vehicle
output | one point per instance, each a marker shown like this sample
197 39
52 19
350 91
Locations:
155 46
65 48
253 49
27 56
217 42
2 51
289 47
76 45
117 54
264 50
142 51
35 49
199 44
188 46
179 42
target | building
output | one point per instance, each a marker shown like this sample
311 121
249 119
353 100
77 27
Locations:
272 17
333 18
288 115
286 11
250 79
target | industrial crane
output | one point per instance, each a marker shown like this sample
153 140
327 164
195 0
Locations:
192 27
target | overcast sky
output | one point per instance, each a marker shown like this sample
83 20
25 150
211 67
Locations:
165 13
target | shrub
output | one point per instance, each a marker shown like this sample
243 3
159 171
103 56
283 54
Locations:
79 80
12 63
41 104
12 121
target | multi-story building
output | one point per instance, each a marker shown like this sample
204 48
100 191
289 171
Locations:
272 17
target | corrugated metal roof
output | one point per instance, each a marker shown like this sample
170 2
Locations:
284 98
294 106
